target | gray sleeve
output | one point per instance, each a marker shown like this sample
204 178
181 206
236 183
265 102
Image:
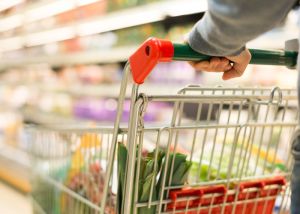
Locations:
229 24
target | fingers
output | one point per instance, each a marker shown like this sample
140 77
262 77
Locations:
240 64
232 66
225 64
200 66
216 64
232 73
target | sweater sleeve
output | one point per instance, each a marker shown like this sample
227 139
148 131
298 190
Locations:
229 24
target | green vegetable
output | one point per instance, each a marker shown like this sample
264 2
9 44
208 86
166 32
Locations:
179 175
122 159
152 171
244 164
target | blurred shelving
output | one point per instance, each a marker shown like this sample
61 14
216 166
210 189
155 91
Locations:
35 116
86 57
7 4
101 90
36 11
15 167
125 18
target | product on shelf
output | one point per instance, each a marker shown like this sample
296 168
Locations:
11 126
139 33
93 74
121 4
176 33
103 41
95 9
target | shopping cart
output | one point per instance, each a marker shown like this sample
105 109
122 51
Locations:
232 156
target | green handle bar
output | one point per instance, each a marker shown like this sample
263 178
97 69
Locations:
154 50
184 52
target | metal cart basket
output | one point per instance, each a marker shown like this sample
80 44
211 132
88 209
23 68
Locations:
231 156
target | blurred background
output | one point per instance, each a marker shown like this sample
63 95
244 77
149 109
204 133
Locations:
61 62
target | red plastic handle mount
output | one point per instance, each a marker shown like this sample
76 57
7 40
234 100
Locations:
148 55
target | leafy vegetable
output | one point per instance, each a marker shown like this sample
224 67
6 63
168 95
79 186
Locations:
179 173
122 159
151 175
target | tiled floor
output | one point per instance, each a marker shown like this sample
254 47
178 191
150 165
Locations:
12 201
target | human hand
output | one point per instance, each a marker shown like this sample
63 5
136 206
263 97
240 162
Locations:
231 66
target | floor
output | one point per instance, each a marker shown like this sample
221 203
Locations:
12 201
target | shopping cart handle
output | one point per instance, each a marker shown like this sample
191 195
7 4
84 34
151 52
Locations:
183 52
154 50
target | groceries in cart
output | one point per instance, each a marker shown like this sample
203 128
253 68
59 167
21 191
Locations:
177 171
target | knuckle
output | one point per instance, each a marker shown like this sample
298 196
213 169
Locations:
215 60
225 60
221 68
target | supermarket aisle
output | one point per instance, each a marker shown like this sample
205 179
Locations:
12 201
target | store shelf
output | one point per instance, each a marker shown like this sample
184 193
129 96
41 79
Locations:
36 116
36 11
101 90
140 15
7 4
104 56
15 167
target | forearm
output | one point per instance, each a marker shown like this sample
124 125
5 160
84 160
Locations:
229 24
